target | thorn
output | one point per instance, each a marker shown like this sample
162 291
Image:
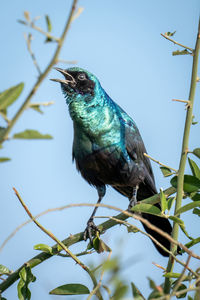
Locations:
183 101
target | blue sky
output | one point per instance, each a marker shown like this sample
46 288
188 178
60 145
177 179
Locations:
120 42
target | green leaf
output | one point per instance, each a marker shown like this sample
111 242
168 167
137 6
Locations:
135 292
132 229
4 270
99 245
154 295
192 243
172 275
196 211
189 298
146 208
4 159
188 207
196 152
182 287
182 52
44 248
191 183
8 96
36 108
177 220
152 284
31 134
166 171
120 291
170 33
185 232
70 289
170 201
111 265
163 201
194 168
195 196
48 22
26 277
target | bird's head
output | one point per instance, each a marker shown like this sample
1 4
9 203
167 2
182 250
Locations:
77 83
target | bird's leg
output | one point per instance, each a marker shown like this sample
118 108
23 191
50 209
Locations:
133 200
91 227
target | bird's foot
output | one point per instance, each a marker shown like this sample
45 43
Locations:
90 231
132 203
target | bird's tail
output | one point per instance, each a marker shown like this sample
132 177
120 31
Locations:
162 224
144 192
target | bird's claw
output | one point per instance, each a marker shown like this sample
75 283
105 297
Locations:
90 231
132 203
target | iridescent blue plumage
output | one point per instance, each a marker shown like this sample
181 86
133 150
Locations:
107 147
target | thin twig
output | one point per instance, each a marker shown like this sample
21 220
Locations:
47 34
76 238
28 43
158 162
25 104
64 247
156 242
181 45
93 292
68 62
183 101
159 266
178 283
151 200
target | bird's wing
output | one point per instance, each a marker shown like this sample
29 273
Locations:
136 149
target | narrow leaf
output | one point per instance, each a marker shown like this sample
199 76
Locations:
185 232
152 284
27 16
70 289
26 277
48 22
4 159
195 196
170 33
99 245
172 275
136 293
22 22
4 270
8 96
31 134
37 108
196 211
188 207
194 168
182 52
192 243
170 201
166 171
44 248
196 152
191 183
132 229
147 208
176 220
163 201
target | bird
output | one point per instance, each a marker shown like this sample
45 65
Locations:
108 148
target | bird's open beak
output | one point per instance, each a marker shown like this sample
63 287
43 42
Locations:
68 77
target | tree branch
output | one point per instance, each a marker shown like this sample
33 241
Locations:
53 61
184 151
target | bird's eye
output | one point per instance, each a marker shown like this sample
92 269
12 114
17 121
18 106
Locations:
81 77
